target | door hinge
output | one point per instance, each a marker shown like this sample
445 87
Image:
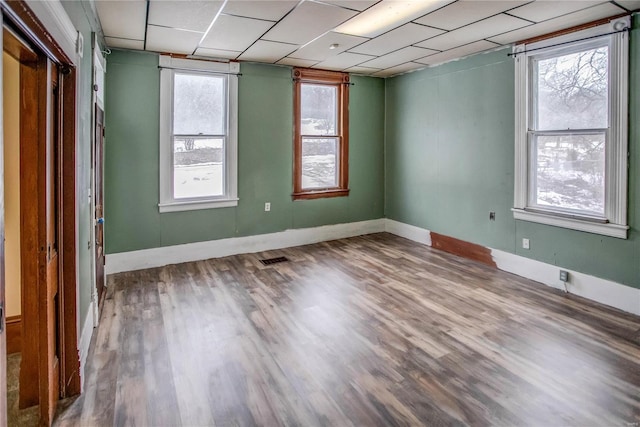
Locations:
1 317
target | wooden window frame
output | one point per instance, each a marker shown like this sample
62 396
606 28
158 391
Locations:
342 83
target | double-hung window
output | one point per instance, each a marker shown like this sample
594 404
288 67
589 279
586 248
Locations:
321 140
571 130
198 134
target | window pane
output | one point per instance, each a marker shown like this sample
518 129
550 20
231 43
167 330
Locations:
319 163
573 91
198 167
198 105
570 171
319 109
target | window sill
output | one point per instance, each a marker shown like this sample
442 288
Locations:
321 194
606 229
196 205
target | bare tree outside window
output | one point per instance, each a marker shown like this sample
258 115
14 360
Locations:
570 118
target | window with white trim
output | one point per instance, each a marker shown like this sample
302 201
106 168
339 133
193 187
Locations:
571 130
198 134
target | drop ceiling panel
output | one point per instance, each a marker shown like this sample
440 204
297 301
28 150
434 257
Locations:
293 62
581 17
465 12
123 19
343 61
542 10
353 4
266 51
124 43
409 66
398 57
479 30
629 4
271 10
458 52
387 15
161 39
235 33
319 48
217 53
306 22
361 70
191 15
395 39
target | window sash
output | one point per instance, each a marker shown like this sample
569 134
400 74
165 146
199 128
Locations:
227 71
614 222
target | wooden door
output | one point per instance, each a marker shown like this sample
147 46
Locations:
49 259
99 202
3 335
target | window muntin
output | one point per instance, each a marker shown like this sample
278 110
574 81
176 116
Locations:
198 135
321 134
571 130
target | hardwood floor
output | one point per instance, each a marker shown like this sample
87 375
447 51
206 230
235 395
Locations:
367 331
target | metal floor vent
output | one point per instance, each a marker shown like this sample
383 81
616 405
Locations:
276 260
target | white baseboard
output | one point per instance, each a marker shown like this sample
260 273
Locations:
158 257
594 288
85 342
407 231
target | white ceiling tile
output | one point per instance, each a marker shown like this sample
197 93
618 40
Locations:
217 53
395 39
403 68
401 56
123 19
266 51
235 33
191 15
465 12
319 48
308 21
343 61
458 52
271 10
115 42
387 15
581 17
361 70
297 62
353 4
542 10
161 39
629 4
477 31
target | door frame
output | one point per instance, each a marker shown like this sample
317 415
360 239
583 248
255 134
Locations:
42 35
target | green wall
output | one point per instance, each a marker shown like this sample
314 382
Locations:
449 148
265 132
84 19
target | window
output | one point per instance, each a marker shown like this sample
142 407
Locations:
321 145
198 134
571 130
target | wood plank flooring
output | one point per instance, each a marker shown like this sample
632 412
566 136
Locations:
367 331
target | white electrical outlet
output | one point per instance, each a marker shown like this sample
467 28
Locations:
267 207
525 243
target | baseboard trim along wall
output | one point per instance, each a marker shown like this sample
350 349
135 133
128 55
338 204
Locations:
85 341
158 257
14 334
600 290
594 288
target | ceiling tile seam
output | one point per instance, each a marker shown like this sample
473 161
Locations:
213 21
175 28
146 25
526 19
623 7
343 7
324 34
269 29
480 20
123 38
393 51
246 17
